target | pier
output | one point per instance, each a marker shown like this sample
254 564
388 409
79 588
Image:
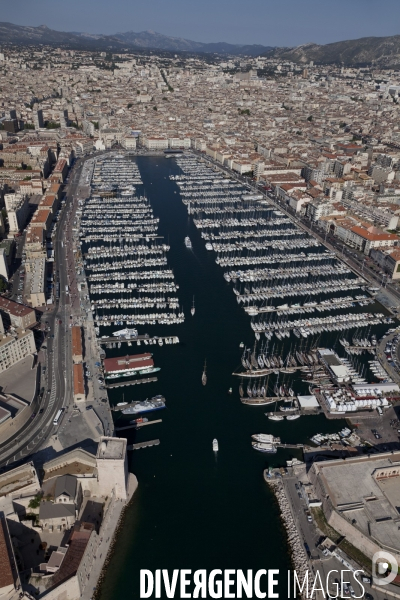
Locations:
138 338
291 446
110 386
144 445
265 372
138 425
128 405
270 400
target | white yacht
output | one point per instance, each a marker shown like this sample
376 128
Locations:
215 445
188 242
126 333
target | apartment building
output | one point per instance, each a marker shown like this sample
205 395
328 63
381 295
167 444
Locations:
35 281
155 143
367 239
20 316
388 260
15 346
17 211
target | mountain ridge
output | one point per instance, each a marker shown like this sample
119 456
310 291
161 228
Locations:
380 51
145 40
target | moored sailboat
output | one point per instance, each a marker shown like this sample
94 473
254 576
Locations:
204 375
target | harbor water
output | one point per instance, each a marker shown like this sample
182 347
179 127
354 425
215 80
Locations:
196 509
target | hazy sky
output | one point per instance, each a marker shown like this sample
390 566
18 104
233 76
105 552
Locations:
267 22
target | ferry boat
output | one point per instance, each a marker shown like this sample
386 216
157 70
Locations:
126 333
156 403
215 445
188 243
263 447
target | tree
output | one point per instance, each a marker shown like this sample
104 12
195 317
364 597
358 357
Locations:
3 286
35 502
309 118
130 105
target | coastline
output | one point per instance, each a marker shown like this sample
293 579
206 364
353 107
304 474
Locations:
297 552
106 545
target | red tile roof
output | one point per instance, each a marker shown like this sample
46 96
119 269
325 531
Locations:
6 575
122 363
373 237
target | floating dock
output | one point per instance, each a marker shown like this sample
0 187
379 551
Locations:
261 401
128 405
144 445
138 338
292 446
265 372
138 425
110 386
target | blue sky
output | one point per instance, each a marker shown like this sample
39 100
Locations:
267 22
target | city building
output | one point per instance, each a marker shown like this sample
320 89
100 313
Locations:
35 281
15 346
388 260
38 119
112 467
79 383
20 315
9 578
360 500
3 264
17 208
77 350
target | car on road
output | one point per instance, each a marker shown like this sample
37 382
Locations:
309 518
41 411
33 415
89 407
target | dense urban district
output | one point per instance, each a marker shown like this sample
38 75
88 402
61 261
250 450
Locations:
303 159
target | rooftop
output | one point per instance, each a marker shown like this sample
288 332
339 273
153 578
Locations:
18 310
6 574
113 448
17 479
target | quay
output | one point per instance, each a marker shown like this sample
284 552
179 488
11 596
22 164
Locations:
144 445
110 386
137 425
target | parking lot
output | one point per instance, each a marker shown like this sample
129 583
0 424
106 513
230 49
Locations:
385 426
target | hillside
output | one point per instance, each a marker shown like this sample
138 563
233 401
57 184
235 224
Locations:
381 51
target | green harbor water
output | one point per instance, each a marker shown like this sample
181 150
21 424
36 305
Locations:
195 509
